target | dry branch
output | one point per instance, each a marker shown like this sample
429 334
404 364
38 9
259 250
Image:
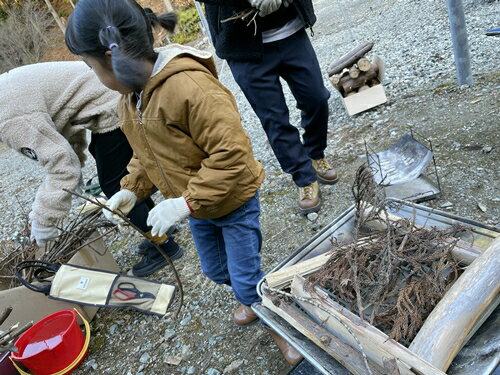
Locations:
126 221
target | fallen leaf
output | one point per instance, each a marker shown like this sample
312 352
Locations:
475 101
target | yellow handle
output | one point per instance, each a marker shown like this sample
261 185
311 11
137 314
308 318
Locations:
156 239
77 359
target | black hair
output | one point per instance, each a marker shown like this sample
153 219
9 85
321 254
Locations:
122 27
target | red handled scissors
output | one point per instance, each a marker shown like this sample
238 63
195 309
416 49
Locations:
126 291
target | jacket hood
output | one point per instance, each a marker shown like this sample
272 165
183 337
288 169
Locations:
171 61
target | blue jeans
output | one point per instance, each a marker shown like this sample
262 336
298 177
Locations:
229 249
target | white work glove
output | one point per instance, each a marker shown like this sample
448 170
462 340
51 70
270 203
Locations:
167 214
122 201
41 234
269 6
265 7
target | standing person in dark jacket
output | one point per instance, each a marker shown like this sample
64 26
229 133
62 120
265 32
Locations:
258 57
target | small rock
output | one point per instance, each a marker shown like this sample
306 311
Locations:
186 320
112 329
173 360
92 364
144 358
212 371
486 149
169 334
313 216
482 207
446 205
191 370
233 367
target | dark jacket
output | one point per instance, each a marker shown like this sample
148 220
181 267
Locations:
234 40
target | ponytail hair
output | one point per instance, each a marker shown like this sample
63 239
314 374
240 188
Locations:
122 27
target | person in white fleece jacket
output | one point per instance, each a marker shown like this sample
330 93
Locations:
45 110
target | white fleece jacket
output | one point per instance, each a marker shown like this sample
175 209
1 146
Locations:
45 110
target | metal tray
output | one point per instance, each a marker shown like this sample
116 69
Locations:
480 356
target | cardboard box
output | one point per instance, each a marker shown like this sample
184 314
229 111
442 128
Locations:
32 306
369 98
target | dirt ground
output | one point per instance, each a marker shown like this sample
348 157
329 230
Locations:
463 124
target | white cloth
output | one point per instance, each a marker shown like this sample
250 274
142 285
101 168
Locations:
280 33
122 201
167 214
45 110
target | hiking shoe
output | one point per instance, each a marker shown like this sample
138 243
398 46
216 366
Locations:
325 172
153 260
309 200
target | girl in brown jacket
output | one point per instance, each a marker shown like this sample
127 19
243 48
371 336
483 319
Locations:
187 137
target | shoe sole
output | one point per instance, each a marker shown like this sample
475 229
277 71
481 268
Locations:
310 210
178 254
327 182
248 324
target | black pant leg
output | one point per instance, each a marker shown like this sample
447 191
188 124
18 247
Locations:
301 70
112 154
259 81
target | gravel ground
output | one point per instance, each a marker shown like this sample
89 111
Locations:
413 38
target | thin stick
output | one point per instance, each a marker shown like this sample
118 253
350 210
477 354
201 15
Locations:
160 250
5 314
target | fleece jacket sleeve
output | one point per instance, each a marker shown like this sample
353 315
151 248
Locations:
34 136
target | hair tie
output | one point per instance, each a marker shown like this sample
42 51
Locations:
112 45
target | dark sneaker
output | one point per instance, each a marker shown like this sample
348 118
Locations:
153 260
325 172
309 200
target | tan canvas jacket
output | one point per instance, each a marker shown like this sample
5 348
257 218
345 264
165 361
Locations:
187 137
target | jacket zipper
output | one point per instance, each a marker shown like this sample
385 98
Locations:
138 107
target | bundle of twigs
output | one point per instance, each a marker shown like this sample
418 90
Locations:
394 277
74 235
8 337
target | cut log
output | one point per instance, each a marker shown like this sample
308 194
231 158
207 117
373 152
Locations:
353 72
348 357
373 82
377 346
364 64
348 84
446 328
363 88
349 58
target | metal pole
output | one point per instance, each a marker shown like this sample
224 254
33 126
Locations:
459 39
203 21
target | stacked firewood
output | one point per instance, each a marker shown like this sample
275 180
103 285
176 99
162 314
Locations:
354 72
